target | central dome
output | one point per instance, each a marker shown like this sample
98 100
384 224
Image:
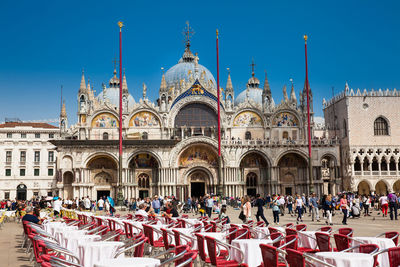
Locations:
186 65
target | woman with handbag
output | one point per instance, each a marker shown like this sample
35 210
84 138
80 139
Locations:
247 208
344 207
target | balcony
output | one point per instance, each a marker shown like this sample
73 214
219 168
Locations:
8 163
36 163
22 163
285 143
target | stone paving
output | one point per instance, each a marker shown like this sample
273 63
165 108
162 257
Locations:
11 253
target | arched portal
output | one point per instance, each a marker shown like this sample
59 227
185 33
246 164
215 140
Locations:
143 169
363 188
329 172
68 179
292 174
103 173
198 156
381 188
21 192
199 182
254 170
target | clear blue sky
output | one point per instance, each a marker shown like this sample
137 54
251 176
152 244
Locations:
46 44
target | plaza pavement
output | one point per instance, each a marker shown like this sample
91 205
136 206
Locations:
12 255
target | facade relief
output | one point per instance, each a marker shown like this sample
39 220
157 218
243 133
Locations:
105 120
247 119
144 119
285 119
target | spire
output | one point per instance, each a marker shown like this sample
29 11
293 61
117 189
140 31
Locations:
229 85
124 84
63 113
293 98
267 89
188 33
163 85
82 87
285 95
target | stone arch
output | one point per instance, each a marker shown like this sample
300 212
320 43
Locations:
177 150
102 166
295 151
357 164
196 154
381 126
381 187
199 178
293 173
396 186
262 154
100 154
364 187
151 153
392 163
274 121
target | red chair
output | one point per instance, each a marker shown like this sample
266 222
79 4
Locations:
346 231
271 257
290 231
392 235
394 255
289 225
301 227
185 216
232 234
187 260
128 229
326 229
273 230
370 249
242 233
277 239
260 224
166 239
291 241
149 233
202 251
342 242
295 258
212 253
182 222
324 242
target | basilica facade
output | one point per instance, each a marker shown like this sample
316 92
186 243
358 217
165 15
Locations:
170 144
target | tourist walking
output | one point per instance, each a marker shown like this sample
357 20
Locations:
314 205
299 207
383 200
275 208
210 205
392 205
156 204
260 209
344 207
366 203
327 206
247 208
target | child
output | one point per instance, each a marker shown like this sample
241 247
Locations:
223 215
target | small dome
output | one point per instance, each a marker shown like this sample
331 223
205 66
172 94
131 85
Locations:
112 95
255 94
253 82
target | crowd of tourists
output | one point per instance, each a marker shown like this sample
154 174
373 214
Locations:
347 205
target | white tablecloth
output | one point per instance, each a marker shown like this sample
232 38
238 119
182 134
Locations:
72 242
218 236
251 250
61 236
129 262
383 243
94 252
306 239
191 222
345 259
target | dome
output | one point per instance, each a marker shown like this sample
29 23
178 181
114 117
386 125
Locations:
186 64
255 94
112 95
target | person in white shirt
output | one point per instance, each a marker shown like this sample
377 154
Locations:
100 203
383 200
86 203
57 204
299 207
142 211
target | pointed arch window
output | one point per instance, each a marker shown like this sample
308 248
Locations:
247 135
105 136
381 126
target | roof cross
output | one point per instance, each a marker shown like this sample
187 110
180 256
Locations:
252 67
188 33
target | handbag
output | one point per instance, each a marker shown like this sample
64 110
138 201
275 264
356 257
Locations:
241 216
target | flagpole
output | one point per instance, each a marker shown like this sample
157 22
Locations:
220 187
311 189
120 196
